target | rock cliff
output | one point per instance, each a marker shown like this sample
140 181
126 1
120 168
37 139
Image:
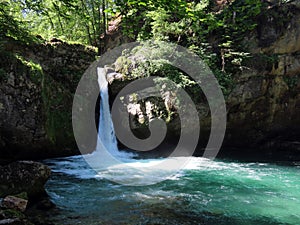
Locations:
264 106
36 95
38 82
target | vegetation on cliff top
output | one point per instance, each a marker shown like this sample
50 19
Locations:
215 30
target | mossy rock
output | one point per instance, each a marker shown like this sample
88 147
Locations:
11 213
22 195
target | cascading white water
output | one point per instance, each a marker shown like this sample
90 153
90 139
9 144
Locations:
106 153
107 141
106 133
120 166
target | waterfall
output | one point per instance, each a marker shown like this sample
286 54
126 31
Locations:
107 145
106 132
120 166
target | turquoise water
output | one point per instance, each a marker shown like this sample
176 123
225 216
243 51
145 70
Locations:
205 192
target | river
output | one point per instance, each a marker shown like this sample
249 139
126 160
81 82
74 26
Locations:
204 192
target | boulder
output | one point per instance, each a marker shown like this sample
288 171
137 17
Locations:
12 202
24 176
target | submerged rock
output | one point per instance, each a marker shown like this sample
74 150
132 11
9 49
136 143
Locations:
13 217
24 176
15 221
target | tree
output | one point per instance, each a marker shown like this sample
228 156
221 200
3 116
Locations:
10 24
83 21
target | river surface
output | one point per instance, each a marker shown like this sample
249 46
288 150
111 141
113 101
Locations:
204 192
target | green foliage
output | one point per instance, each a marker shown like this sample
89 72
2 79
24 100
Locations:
11 30
36 72
11 24
239 19
123 65
292 81
217 37
151 59
12 213
82 21
22 195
